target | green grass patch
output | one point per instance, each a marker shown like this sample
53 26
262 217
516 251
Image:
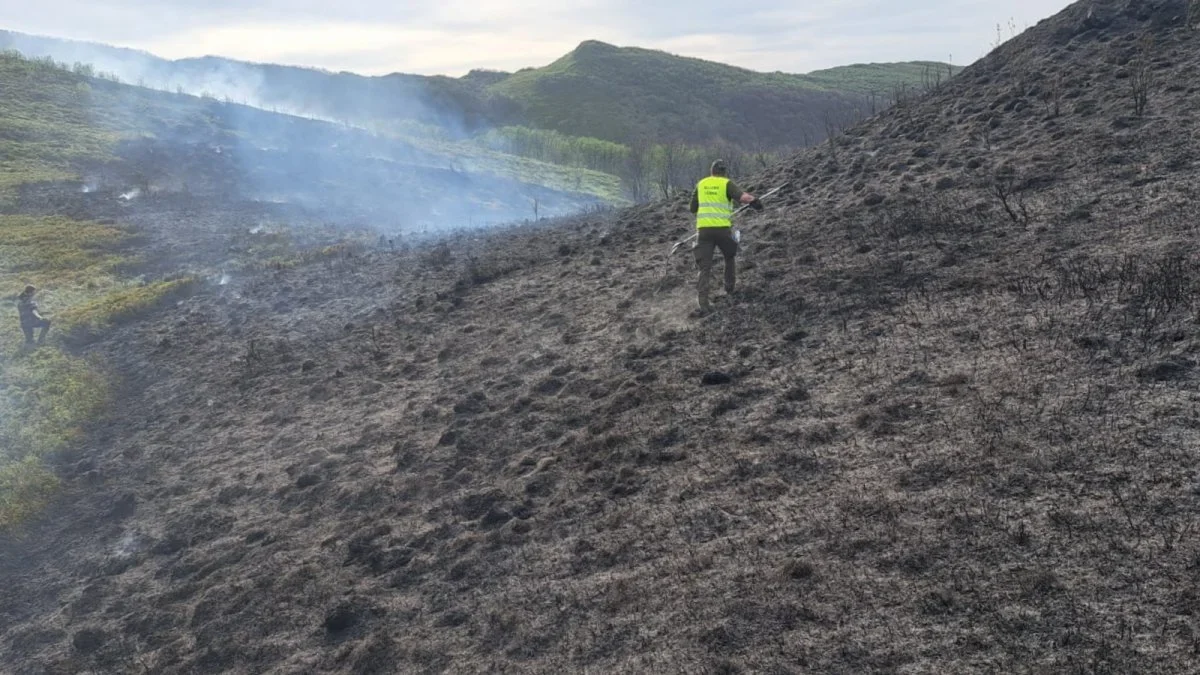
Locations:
94 316
48 125
56 251
47 396
26 487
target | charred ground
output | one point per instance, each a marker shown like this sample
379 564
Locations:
948 424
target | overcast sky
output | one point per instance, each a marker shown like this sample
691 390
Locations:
453 36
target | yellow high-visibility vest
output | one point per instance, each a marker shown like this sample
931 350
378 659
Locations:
715 208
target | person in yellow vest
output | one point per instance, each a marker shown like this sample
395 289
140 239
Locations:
713 203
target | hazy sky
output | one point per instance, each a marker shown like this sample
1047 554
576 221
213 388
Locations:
453 36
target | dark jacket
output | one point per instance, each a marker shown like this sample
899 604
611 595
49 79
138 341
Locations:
27 308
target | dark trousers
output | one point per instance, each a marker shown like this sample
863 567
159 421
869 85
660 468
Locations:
708 240
28 327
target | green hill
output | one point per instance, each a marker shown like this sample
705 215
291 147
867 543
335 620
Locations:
622 94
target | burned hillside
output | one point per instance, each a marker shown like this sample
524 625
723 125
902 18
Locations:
947 424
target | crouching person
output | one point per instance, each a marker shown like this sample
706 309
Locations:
31 319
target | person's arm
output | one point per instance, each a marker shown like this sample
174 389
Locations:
735 194
695 206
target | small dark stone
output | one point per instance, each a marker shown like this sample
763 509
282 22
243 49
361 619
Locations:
341 619
873 199
494 517
550 386
231 494
453 618
1170 369
795 335
715 377
479 504
472 405
89 640
798 570
797 394
172 543
307 480
125 506
1092 341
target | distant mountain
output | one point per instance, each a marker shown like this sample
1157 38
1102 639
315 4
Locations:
620 94
597 90
451 103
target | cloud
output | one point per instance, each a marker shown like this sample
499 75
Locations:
453 36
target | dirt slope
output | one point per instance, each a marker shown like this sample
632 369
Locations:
925 436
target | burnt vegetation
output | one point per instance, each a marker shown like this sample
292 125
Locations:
947 425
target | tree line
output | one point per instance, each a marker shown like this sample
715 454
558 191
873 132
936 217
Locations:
647 169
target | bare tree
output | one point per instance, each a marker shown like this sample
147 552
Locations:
735 158
1054 95
931 78
670 160
1005 186
1140 78
832 129
633 174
